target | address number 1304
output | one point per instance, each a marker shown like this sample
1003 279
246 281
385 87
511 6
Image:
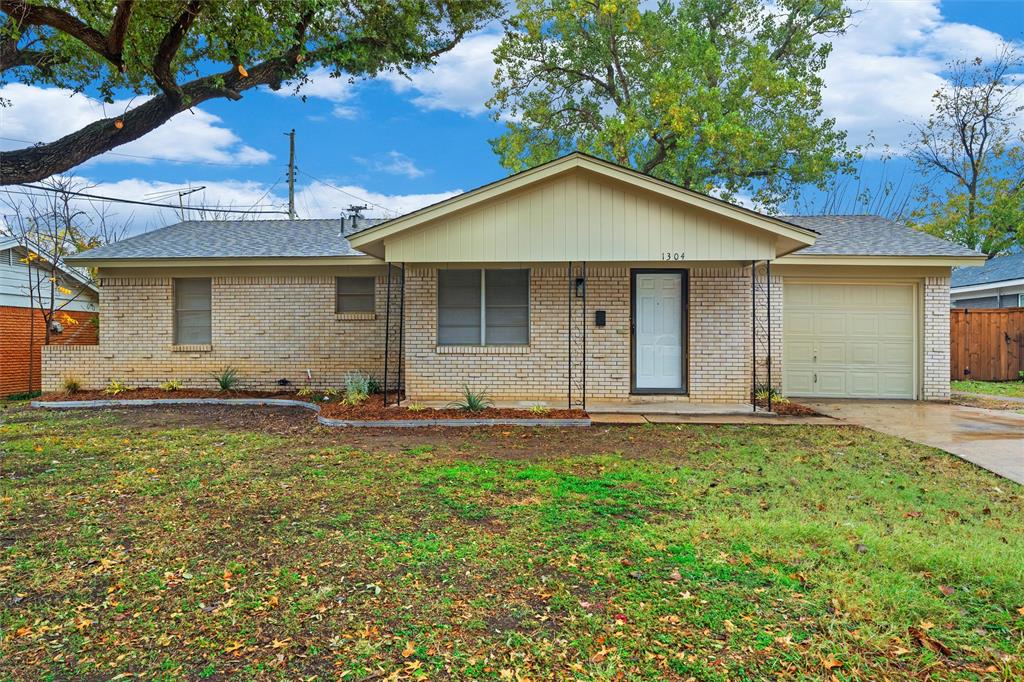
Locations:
673 255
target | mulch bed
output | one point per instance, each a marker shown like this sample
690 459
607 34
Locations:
160 394
373 409
789 409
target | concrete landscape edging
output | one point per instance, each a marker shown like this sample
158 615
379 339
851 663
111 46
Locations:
283 402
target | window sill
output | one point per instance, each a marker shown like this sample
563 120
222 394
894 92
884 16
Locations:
483 350
192 348
355 316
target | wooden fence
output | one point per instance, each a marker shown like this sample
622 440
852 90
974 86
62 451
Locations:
986 344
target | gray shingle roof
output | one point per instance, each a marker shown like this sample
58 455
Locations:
846 235
999 269
238 239
871 235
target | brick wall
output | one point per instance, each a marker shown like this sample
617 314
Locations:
268 327
17 325
719 366
936 339
271 327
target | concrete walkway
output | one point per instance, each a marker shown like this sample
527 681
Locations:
992 439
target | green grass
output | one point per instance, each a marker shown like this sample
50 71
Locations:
1012 389
717 553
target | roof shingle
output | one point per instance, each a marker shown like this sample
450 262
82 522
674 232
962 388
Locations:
237 239
871 235
998 269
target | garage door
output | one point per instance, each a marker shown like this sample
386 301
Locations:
849 340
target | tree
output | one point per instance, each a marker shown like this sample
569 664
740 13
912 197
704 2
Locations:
971 153
49 227
177 50
714 95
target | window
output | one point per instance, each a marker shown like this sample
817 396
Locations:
483 307
191 311
354 295
1020 300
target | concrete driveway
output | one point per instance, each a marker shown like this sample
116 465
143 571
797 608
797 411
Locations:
992 439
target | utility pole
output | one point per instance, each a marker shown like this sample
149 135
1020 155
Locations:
291 174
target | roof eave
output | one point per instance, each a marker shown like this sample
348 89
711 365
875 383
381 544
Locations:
890 260
226 261
983 286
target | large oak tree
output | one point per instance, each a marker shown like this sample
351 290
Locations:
182 53
715 95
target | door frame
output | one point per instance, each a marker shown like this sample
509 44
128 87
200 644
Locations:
684 324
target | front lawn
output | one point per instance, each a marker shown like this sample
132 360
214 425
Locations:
243 543
1012 389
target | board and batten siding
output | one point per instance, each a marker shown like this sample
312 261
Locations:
580 216
14 286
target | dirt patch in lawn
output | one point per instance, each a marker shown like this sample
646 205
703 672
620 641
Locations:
373 409
160 394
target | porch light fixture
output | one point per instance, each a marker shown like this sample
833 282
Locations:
581 285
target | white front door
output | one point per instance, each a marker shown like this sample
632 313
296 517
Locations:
658 350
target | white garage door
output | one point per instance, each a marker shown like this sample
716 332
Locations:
849 340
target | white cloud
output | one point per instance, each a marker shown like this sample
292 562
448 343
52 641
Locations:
315 200
393 163
320 84
194 135
460 81
883 72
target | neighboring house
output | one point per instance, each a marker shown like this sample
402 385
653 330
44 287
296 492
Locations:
521 286
999 283
22 323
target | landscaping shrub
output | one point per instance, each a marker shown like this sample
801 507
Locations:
472 401
227 378
171 385
116 386
72 385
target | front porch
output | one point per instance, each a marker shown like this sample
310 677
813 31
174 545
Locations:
582 326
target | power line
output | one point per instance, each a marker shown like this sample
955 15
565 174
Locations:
151 158
347 193
118 200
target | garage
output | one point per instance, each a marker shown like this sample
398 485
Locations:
849 339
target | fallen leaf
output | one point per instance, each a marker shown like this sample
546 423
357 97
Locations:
947 590
409 650
675 575
831 662
729 626
927 642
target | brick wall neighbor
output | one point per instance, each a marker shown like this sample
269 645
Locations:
936 339
16 331
268 327
719 368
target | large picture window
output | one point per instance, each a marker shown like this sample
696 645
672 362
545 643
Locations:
192 311
483 307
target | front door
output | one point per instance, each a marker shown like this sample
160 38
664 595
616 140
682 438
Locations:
658 332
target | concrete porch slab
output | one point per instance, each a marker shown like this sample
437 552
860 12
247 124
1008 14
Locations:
668 407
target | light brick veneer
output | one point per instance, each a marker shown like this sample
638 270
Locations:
268 327
936 338
719 366
272 327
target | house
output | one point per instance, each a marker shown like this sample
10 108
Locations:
999 283
22 324
574 279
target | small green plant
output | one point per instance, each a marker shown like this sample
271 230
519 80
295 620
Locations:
24 395
373 385
171 385
539 409
305 392
331 393
1020 375
415 407
471 401
227 378
763 392
357 388
116 386
72 385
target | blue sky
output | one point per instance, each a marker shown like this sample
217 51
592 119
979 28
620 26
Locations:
401 144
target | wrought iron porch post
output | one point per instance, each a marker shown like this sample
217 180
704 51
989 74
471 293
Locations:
387 334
